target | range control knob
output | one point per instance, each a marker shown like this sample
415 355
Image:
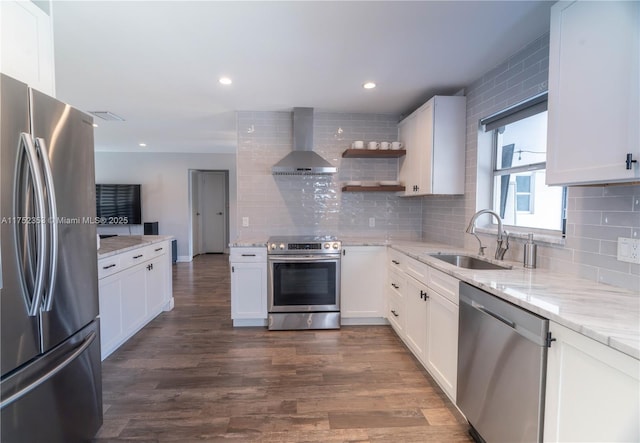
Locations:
336 246
327 245
273 246
281 246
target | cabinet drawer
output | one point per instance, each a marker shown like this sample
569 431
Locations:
397 260
395 313
248 255
155 250
417 270
133 257
108 266
396 282
444 284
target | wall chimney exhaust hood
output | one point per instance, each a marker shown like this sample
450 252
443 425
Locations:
302 160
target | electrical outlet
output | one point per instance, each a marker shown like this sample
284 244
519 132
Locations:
245 222
372 222
629 250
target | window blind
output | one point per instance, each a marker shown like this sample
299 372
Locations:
519 111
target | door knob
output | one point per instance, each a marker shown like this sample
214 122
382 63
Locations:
220 213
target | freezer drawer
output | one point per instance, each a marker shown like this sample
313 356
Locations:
61 397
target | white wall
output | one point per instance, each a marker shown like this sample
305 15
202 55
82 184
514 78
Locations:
165 187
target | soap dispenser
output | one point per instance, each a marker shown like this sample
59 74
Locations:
530 250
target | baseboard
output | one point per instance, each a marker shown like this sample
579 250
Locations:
248 322
169 305
184 259
363 321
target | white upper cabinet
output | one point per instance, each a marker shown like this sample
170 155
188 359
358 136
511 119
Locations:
26 44
434 137
594 93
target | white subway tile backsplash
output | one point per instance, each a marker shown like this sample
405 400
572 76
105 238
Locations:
316 204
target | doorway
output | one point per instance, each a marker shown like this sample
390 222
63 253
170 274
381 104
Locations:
209 202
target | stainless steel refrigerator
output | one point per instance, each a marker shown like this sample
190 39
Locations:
51 385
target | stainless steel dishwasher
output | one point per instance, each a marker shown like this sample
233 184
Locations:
502 359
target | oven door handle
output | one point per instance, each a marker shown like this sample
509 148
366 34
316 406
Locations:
303 258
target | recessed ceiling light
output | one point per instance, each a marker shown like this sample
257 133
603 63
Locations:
369 85
142 145
225 80
95 125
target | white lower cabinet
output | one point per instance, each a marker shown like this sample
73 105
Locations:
423 310
110 302
156 276
442 342
131 294
134 298
362 270
416 317
248 286
592 392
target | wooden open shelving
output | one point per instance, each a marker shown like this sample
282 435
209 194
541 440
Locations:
374 153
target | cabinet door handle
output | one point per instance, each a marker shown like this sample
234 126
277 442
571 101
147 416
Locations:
395 262
630 161
395 286
159 249
112 265
394 313
248 255
149 266
137 256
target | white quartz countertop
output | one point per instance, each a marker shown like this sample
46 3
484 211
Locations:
604 313
122 243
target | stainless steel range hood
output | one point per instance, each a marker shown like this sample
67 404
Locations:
302 160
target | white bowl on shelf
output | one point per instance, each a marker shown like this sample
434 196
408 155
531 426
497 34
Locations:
353 183
389 183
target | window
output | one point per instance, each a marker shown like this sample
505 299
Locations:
519 194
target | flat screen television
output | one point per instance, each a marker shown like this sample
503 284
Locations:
118 204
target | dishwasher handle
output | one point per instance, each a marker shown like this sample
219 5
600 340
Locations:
504 320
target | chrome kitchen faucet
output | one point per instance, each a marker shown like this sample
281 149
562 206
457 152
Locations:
503 236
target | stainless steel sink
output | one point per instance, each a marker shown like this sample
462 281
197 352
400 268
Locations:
468 262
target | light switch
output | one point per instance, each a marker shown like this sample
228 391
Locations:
245 222
372 222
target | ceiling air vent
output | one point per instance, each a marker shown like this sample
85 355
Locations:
106 115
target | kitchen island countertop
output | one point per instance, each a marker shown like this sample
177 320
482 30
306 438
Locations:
121 243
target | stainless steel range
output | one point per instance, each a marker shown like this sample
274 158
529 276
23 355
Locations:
304 282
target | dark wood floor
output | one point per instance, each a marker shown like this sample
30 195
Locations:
189 376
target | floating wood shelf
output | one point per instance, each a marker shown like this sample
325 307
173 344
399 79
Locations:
397 188
374 153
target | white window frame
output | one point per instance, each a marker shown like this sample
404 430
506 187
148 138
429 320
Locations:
519 111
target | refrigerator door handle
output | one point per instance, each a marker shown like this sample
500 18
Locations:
26 145
50 373
52 222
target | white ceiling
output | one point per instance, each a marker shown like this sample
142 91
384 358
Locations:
157 63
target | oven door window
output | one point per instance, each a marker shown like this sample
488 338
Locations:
304 284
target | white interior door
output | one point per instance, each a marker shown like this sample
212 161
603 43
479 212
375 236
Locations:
195 214
212 193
